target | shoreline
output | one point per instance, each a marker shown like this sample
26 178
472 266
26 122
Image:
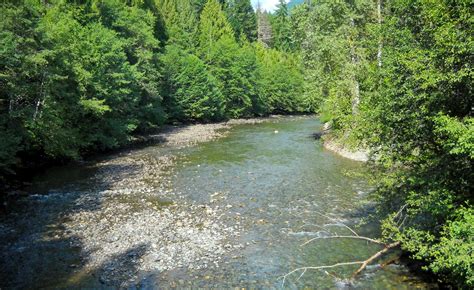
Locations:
191 134
182 135
133 221
334 146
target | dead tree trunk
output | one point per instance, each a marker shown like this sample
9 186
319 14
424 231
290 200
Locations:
379 20
354 61
363 264
374 257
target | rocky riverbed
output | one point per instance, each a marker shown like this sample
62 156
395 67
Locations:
187 213
132 222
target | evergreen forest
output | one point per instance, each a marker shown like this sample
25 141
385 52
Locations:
394 77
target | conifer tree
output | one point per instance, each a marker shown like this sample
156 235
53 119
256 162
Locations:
181 22
242 18
213 26
191 92
281 27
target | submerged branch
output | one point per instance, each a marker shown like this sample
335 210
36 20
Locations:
373 257
337 222
304 269
363 264
344 237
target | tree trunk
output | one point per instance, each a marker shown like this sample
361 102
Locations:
356 88
379 20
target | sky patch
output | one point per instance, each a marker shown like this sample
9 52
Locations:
268 5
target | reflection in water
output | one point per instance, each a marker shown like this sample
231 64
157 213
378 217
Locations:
271 180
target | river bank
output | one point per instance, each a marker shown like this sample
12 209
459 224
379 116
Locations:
338 147
11 188
184 233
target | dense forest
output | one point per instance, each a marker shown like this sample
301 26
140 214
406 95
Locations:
396 77
82 76
392 76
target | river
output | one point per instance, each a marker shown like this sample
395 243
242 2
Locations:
232 212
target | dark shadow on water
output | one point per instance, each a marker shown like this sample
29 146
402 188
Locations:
32 264
120 270
37 251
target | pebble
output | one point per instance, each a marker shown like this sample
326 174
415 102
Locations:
133 232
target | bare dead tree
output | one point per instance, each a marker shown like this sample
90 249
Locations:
355 63
363 263
379 21
41 95
264 27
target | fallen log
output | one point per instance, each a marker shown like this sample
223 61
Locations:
363 264
374 257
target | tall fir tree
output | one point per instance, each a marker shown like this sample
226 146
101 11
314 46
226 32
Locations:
281 27
242 18
213 26
181 22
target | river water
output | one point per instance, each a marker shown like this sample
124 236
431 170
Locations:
271 181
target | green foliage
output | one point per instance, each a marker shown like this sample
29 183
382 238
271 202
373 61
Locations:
82 76
234 67
453 255
422 121
298 25
213 26
242 18
399 79
456 137
181 22
137 30
281 27
77 83
336 51
192 93
21 65
96 61
280 81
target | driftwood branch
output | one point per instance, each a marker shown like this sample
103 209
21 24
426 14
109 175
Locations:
363 264
344 237
304 269
375 256
402 208
344 226
337 222
323 228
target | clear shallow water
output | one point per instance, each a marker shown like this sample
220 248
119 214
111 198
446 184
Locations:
274 185
281 183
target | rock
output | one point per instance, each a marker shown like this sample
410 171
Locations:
356 155
327 126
